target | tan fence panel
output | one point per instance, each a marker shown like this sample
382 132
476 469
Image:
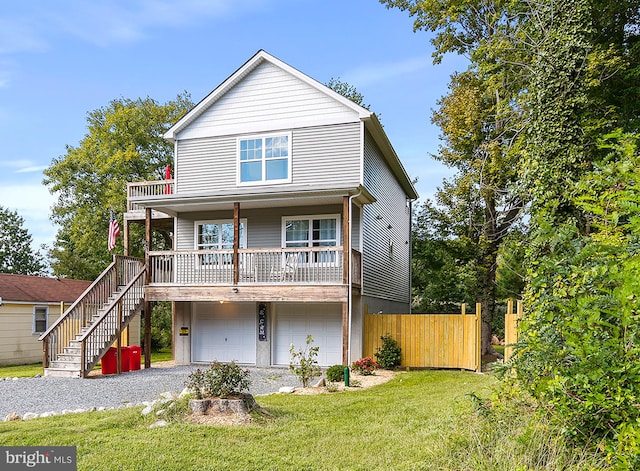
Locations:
428 340
511 320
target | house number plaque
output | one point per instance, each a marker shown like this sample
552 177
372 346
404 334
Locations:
262 322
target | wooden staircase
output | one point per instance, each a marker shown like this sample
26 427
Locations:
75 343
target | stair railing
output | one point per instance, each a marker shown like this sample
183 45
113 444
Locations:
97 339
82 312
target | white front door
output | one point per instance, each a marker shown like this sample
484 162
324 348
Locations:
224 332
293 322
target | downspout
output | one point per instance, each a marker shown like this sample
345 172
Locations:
410 256
349 295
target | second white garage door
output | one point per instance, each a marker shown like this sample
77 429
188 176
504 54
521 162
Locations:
224 332
294 321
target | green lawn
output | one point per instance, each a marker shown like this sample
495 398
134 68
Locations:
421 420
399 425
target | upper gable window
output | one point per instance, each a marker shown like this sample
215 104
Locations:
264 159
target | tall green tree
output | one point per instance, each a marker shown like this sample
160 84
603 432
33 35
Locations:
481 119
16 254
124 143
579 343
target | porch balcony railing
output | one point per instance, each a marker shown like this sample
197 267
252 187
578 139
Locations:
151 188
299 265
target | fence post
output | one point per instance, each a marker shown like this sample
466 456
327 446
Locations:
479 337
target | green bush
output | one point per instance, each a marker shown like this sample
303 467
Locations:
389 354
335 373
220 380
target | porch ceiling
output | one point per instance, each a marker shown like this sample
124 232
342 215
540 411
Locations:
268 198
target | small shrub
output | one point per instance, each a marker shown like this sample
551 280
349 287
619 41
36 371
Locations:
365 366
220 380
195 382
389 354
303 362
335 373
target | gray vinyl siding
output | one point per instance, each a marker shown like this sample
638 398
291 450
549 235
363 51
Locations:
322 157
264 226
267 98
385 275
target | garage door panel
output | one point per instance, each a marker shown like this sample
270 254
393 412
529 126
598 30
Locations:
294 322
224 333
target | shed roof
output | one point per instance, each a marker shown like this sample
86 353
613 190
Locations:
37 289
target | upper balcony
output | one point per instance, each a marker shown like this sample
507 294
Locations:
142 189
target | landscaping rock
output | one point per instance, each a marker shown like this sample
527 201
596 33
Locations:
286 390
159 423
12 416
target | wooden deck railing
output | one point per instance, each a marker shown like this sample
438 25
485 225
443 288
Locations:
82 312
300 265
116 316
152 188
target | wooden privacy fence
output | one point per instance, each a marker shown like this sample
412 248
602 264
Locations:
511 320
429 340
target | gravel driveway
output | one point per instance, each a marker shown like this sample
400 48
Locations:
41 395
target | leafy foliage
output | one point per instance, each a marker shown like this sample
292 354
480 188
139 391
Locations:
220 380
303 362
124 143
364 366
16 254
335 373
389 354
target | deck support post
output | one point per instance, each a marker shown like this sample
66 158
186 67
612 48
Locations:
236 242
147 304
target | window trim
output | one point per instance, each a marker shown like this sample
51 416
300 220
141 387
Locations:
46 319
310 218
263 181
243 238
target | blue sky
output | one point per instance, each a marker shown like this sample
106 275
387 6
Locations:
60 60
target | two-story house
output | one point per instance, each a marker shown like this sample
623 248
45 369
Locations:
290 212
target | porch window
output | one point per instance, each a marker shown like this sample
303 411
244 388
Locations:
218 236
264 159
40 319
316 231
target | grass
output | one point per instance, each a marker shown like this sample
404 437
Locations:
398 425
421 420
32 369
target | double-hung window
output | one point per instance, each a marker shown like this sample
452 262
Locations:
312 231
40 319
218 236
264 159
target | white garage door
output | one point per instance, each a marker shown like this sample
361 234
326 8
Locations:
295 321
224 332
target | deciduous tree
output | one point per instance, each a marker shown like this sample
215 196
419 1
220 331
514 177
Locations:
16 254
124 143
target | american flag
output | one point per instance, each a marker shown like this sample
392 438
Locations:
114 231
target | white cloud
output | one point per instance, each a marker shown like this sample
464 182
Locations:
19 34
372 73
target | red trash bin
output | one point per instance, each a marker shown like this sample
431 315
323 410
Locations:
110 362
134 357
125 353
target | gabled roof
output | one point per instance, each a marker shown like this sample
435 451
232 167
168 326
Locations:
260 57
369 118
37 289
